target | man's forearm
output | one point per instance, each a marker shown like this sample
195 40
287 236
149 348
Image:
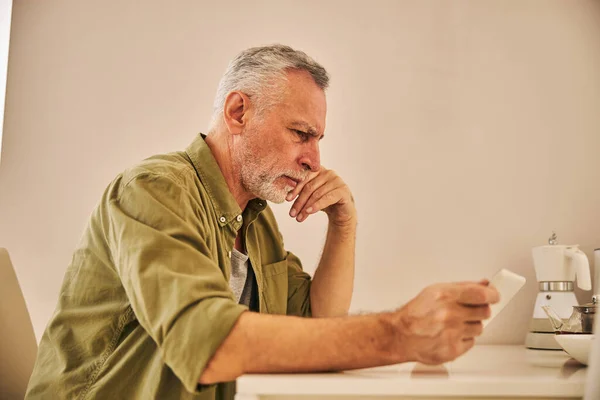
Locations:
333 283
260 343
437 326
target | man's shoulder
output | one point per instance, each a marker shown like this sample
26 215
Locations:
174 166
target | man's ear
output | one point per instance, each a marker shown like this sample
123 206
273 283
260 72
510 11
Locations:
235 112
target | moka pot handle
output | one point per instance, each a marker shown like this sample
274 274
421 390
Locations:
582 268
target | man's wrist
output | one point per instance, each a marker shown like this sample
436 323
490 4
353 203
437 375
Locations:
391 340
347 225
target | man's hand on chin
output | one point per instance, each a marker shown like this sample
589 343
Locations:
324 191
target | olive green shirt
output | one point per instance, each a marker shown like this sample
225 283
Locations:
145 302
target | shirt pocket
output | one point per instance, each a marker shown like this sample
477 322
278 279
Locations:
275 287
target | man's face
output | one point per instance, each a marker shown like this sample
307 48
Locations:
281 150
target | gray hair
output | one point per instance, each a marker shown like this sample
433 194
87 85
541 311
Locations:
259 72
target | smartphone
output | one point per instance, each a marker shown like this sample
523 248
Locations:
508 285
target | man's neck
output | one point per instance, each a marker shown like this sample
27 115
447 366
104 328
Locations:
220 146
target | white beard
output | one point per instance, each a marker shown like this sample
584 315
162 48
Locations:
263 185
261 182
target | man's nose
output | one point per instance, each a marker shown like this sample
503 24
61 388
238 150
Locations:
311 159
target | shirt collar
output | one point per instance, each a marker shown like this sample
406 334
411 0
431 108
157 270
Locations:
210 175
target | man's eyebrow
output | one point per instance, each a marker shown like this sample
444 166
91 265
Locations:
308 129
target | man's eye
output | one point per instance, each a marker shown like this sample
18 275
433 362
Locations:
303 135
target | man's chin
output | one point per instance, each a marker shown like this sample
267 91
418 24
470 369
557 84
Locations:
277 200
277 197
274 192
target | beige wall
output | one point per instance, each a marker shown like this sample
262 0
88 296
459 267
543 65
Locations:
467 130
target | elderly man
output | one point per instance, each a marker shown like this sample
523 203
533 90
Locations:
182 283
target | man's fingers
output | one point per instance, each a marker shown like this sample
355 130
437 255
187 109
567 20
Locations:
294 192
305 191
328 199
473 329
316 185
483 282
323 197
477 294
476 313
467 344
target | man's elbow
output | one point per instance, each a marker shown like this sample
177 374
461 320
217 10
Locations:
216 374
209 377
228 362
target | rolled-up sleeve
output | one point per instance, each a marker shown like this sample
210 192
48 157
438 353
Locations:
176 289
298 288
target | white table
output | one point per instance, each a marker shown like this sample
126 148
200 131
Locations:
485 372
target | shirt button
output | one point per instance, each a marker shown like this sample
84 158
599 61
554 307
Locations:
239 218
222 219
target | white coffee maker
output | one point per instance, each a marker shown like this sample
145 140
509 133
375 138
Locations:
556 267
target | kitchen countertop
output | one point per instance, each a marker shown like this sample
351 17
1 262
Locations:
485 372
